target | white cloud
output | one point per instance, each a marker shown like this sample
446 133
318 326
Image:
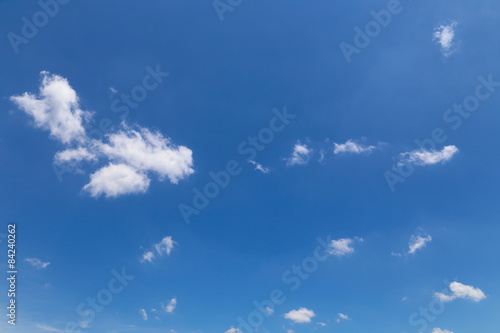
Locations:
259 167
117 179
170 307
444 35
55 109
143 314
269 310
438 330
37 263
321 324
131 153
459 290
342 316
418 242
300 155
148 256
351 146
428 157
165 246
79 154
148 151
301 315
342 247
234 330
48 328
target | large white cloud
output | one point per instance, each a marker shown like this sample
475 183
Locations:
302 315
459 290
149 151
117 179
428 157
55 109
130 155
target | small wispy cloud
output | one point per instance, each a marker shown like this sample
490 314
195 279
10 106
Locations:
418 242
172 304
341 317
444 35
48 328
234 330
352 146
143 314
165 246
259 167
37 263
301 155
438 330
343 246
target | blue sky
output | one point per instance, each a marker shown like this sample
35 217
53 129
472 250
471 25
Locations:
356 172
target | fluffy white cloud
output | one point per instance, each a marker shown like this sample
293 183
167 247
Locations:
418 242
342 316
234 330
117 179
143 314
300 155
351 146
444 35
37 263
459 290
342 246
259 167
438 330
148 151
428 157
55 109
131 154
321 324
170 307
301 315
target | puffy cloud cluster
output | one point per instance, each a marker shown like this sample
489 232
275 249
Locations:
131 154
